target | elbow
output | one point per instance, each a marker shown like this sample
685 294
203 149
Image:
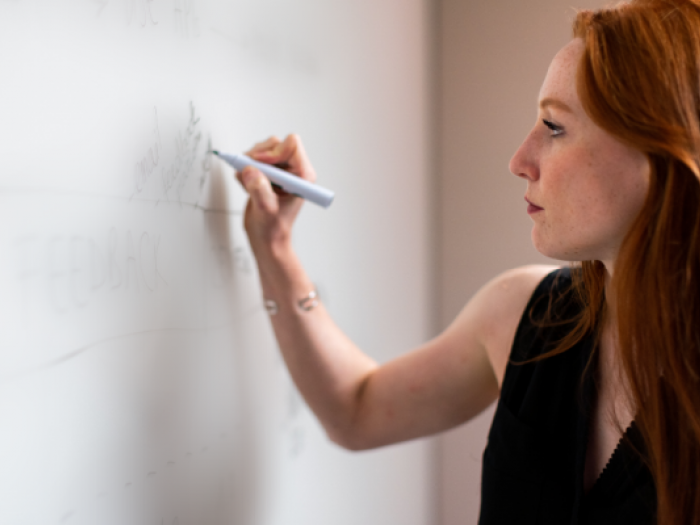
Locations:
352 433
348 439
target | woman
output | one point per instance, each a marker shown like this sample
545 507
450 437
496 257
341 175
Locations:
596 369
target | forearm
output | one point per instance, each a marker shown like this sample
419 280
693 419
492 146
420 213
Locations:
328 369
361 405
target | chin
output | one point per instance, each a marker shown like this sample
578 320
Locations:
561 250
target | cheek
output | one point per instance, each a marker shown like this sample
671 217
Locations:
624 183
592 190
626 201
568 188
571 213
614 199
598 182
591 206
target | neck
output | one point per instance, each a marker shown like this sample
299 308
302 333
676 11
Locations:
609 296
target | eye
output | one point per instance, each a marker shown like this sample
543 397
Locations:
556 130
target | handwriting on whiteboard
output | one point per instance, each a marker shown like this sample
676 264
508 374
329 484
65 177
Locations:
73 269
146 165
136 11
172 162
141 12
186 21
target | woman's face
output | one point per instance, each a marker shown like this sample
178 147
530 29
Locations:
585 187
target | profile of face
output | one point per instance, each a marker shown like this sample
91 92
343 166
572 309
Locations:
584 186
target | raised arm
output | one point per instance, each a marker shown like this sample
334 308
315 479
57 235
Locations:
361 404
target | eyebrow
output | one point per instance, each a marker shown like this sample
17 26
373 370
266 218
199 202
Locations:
556 103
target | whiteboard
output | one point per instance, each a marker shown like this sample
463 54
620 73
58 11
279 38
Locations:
140 382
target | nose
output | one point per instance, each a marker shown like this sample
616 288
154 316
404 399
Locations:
524 161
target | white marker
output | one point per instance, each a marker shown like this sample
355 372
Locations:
285 180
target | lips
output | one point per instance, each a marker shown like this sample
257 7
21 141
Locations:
532 208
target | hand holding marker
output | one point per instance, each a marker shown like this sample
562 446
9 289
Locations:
285 180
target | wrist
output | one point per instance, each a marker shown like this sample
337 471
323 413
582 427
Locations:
282 277
269 241
276 251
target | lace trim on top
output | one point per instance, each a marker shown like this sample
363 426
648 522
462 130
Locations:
612 467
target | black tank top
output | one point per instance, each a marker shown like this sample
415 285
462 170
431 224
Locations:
534 461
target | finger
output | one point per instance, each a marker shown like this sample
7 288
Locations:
281 152
291 154
260 190
298 159
265 145
239 178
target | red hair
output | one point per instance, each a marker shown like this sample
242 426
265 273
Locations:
639 79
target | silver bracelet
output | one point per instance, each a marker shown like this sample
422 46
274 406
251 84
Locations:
270 306
307 304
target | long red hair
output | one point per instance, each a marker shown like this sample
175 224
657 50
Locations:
639 79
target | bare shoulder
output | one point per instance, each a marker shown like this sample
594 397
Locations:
497 308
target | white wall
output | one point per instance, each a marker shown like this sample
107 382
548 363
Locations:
139 379
493 57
